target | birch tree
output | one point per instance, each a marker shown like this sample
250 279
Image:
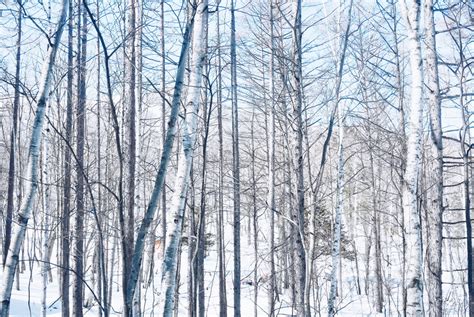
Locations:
336 245
411 14
46 190
33 164
185 156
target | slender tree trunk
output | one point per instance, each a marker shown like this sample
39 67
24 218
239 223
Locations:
65 221
130 106
33 165
271 168
435 215
11 162
467 212
220 213
45 227
411 13
102 285
336 245
465 141
138 202
254 215
163 119
192 234
132 135
80 142
299 211
377 237
235 160
403 140
201 247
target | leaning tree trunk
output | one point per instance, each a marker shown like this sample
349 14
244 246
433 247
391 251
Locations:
411 12
435 220
33 165
185 156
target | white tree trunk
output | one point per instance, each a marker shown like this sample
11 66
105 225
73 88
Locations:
31 178
336 245
411 13
46 211
185 157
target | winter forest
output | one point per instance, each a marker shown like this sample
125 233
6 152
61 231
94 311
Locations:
236 158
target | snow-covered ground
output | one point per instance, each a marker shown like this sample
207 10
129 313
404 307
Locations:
26 301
